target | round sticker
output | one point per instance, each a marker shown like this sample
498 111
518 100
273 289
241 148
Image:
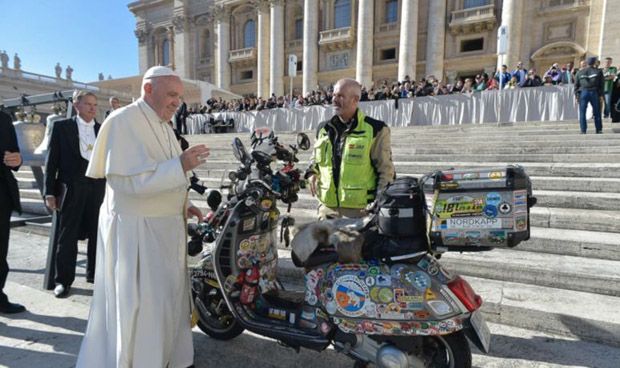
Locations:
351 294
490 211
374 294
311 298
245 245
244 262
386 295
493 198
504 208
331 307
370 281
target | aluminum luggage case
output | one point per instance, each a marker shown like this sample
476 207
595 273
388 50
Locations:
479 209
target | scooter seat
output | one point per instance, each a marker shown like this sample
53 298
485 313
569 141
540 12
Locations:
319 257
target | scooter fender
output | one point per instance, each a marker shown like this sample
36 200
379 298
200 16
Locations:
376 298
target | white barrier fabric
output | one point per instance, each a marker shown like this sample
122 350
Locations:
552 103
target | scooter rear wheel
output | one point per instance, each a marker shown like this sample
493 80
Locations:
448 351
214 317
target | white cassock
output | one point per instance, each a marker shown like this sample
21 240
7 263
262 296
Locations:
140 312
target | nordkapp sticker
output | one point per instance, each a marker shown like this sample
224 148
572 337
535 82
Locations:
472 223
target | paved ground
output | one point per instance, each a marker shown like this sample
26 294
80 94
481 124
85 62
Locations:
49 334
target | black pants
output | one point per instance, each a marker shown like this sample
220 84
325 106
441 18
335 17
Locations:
181 126
78 220
6 207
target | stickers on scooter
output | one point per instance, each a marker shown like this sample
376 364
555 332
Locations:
490 211
384 280
311 298
429 295
521 223
370 281
351 295
385 295
439 307
331 307
419 280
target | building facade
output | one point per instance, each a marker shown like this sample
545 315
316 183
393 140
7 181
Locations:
244 45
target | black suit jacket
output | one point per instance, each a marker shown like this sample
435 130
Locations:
8 142
64 161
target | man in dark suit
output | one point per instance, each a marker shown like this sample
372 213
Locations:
115 104
180 117
69 191
10 159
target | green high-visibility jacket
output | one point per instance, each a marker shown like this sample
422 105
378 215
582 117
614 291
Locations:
357 182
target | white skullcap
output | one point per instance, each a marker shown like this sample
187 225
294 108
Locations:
159 71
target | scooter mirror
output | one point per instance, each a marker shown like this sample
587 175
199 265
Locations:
214 198
239 151
303 142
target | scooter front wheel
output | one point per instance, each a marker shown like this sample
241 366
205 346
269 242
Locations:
214 317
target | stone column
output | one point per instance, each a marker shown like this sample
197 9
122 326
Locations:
142 33
408 48
179 53
610 28
311 45
512 18
365 36
222 27
170 34
276 51
262 64
436 38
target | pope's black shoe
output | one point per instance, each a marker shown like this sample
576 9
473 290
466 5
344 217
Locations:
61 291
11 308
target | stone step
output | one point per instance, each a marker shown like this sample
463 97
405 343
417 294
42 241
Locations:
578 200
551 270
589 316
546 169
569 242
550 183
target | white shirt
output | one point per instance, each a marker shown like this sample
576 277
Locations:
87 135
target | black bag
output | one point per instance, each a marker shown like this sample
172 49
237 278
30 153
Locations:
401 211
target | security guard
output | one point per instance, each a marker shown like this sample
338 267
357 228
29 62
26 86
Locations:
352 157
589 88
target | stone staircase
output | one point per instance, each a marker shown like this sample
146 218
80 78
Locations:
564 280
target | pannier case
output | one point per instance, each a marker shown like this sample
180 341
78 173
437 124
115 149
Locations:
479 209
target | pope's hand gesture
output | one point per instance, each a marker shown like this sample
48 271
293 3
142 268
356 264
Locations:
194 156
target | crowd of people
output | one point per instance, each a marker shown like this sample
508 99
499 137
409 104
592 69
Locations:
504 78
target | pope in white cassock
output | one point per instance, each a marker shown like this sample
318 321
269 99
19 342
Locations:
140 312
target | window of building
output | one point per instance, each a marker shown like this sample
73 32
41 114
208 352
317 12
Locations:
300 66
206 46
165 52
249 34
477 44
299 28
246 75
391 11
342 13
474 3
388 54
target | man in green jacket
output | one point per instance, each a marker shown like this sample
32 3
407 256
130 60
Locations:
352 158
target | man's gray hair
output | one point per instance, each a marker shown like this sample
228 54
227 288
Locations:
112 99
79 94
354 85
